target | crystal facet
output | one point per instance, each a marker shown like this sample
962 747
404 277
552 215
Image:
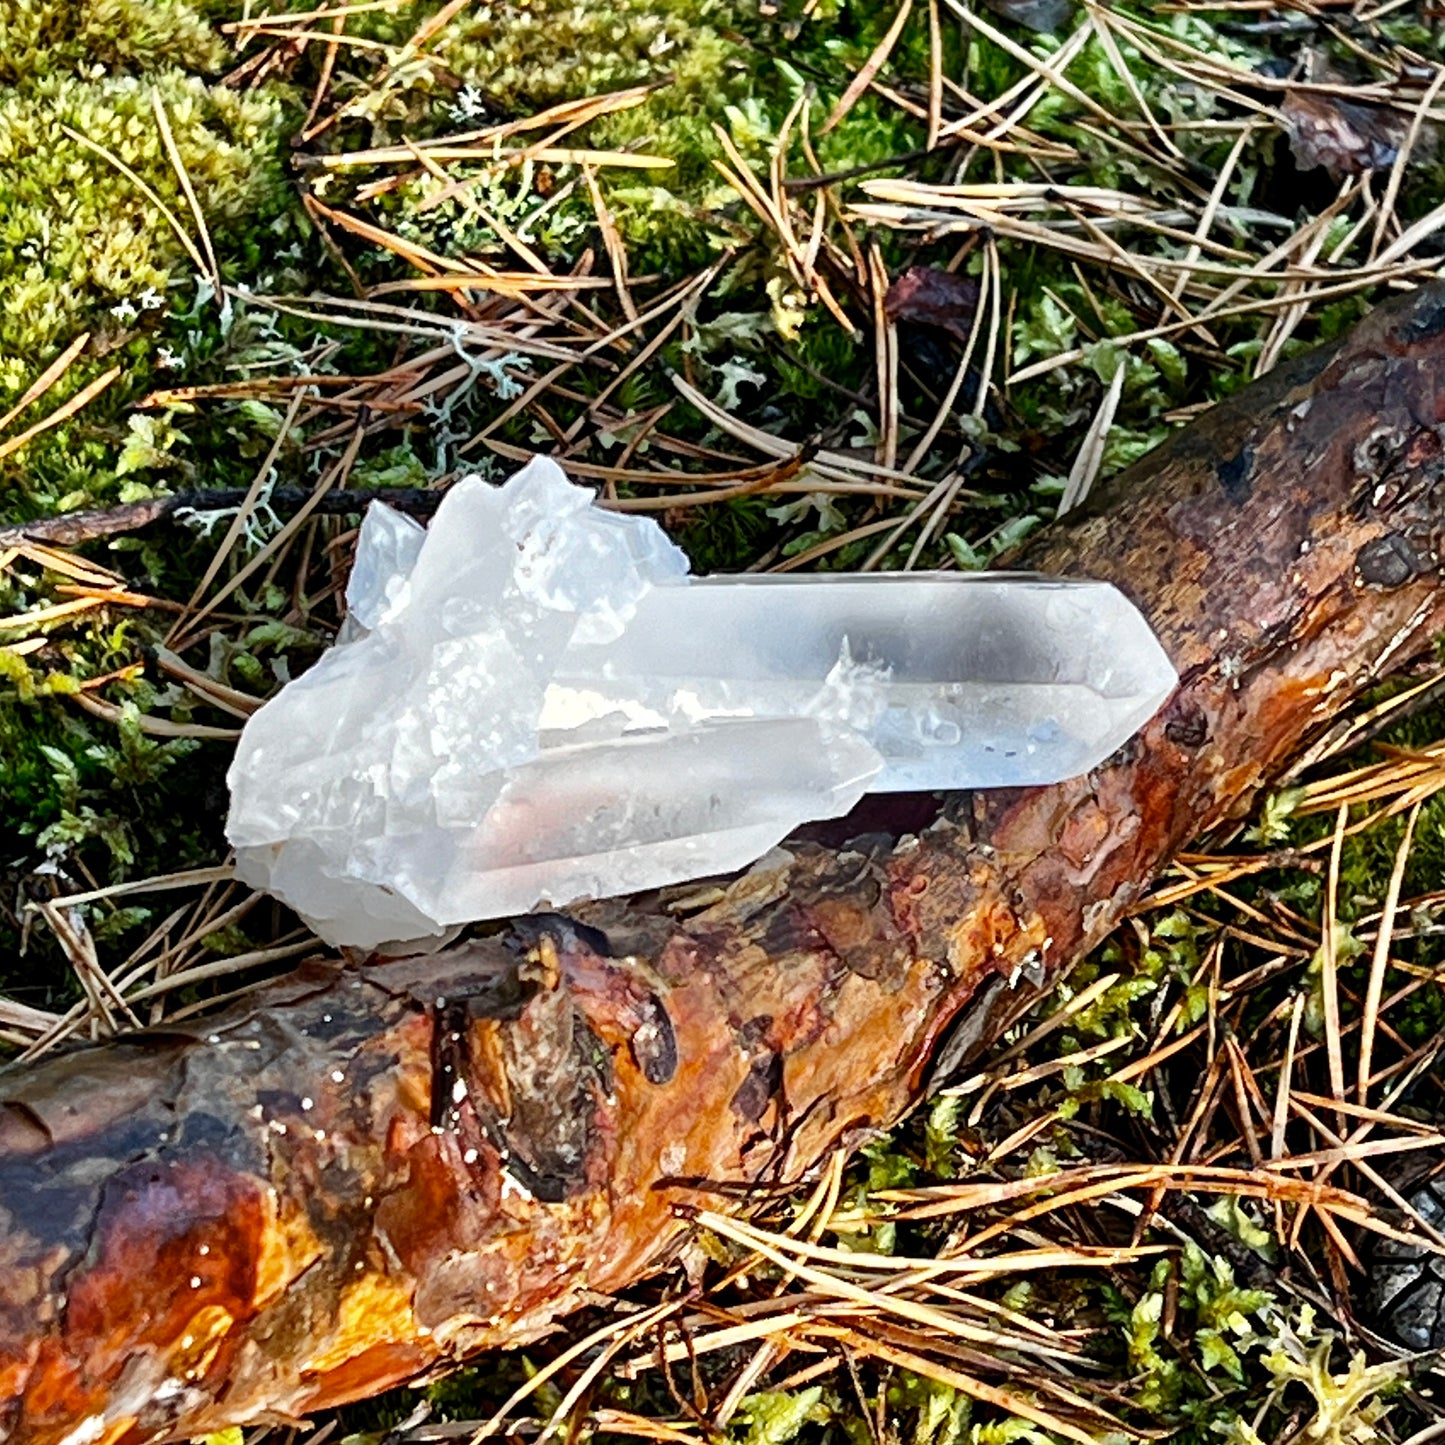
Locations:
532 702
959 680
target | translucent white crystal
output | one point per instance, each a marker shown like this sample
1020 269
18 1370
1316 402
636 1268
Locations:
959 680
386 551
586 821
534 703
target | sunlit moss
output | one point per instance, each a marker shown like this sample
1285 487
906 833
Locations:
41 38
82 247
80 244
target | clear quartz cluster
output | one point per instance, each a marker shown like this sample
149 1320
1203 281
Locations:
532 702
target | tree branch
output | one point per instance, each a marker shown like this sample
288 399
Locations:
366 1172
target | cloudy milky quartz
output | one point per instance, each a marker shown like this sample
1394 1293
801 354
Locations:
532 703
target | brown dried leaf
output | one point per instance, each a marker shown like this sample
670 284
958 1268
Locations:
1346 137
931 296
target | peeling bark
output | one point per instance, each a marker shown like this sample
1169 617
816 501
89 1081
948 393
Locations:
366 1172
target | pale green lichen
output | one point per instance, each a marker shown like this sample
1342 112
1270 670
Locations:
1348 1407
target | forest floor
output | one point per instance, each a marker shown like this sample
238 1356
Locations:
820 285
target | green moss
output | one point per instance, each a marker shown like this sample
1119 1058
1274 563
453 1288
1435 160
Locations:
82 248
40 37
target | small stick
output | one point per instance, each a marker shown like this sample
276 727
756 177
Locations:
75 528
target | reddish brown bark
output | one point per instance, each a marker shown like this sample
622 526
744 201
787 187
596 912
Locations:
367 1172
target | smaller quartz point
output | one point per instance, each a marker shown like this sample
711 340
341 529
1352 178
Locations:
532 703
386 551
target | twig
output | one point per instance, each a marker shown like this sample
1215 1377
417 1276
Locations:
75 528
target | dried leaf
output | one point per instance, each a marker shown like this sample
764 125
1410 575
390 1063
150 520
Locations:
1344 136
931 296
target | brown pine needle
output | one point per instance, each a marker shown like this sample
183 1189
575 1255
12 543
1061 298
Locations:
1380 959
62 413
1286 1074
612 243
46 379
78 569
148 191
885 355
213 268
935 75
1329 976
869 72
1091 451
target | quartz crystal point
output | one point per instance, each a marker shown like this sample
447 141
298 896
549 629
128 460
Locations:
380 583
959 680
532 702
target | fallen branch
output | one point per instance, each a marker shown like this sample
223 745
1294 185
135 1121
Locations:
367 1172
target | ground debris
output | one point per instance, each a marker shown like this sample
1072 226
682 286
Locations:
1346 137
